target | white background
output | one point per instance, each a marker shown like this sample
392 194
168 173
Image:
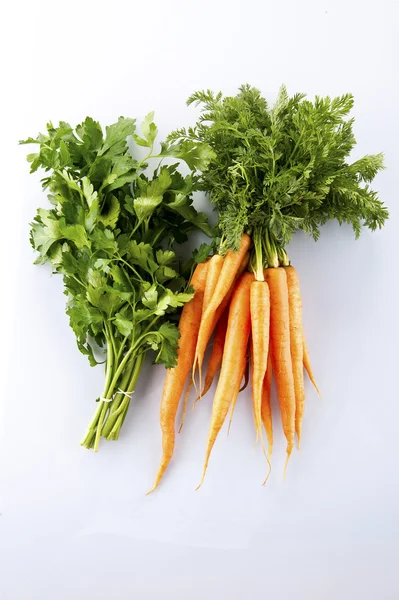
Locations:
75 525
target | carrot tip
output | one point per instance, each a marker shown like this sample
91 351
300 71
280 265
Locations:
200 483
289 450
270 470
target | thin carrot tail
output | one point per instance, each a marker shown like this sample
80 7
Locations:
246 377
290 447
233 405
168 444
193 372
298 430
307 365
185 404
269 437
266 406
269 470
208 454
207 385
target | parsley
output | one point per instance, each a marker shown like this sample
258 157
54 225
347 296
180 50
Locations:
110 232
282 169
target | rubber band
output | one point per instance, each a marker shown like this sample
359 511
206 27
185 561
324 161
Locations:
128 394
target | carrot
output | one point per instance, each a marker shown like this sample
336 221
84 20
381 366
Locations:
260 326
226 300
245 375
215 265
307 365
176 378
281 353
296 343
266 405
234 360
217 353
217 317
185 404
233 405
231 265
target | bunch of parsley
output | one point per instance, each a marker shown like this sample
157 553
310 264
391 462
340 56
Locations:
280 169
111 232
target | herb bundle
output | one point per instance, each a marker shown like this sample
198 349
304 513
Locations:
111 232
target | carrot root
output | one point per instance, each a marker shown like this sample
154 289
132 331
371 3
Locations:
233 363
176 377
281 351
230 268
296 344
307 365
260 326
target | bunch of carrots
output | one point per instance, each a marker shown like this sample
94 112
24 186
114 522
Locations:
274 171
255 318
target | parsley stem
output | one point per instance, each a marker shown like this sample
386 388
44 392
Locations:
120 368
110 339
114 405
121 348
109 365
130 267
116 417
103 412
159 235
144 160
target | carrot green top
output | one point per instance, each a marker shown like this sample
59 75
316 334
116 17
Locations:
282 169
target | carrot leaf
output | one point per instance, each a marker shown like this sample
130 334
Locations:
282 168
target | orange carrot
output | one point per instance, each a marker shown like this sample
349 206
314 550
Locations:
307 365
246 375
227 275
226 300
234 360
296 343
215 265
266 405
281 352
185 404
176 378
260 326
217 353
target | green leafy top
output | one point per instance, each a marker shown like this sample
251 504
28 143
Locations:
111 230
277 170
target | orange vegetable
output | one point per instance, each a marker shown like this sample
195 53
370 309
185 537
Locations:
281 351
231 265
234 360
307 365
260 326
217 353
296 342
176 378
215 265
266 405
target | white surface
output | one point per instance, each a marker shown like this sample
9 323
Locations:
77 525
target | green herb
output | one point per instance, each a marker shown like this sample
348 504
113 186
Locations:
282 169
111 232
